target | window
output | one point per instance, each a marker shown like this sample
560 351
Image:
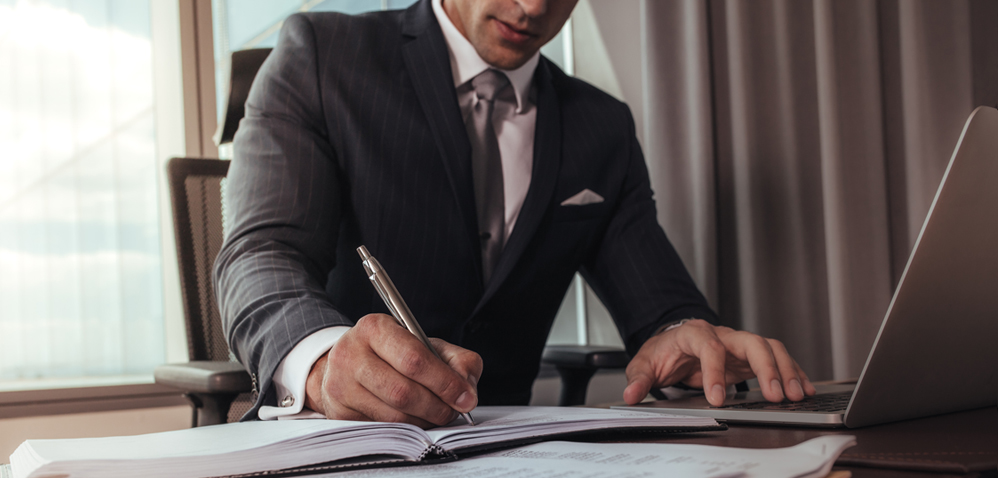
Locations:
81 285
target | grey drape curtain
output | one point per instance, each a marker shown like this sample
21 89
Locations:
795 147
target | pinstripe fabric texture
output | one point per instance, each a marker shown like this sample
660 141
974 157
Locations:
353 136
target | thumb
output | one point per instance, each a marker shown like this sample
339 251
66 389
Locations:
639 383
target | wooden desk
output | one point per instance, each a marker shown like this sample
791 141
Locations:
958 444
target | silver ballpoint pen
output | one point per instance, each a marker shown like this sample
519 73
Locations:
386 289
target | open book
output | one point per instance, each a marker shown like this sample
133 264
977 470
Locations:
257 447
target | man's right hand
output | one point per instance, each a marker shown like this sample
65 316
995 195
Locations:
379 371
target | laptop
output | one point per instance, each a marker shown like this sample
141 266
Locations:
937 349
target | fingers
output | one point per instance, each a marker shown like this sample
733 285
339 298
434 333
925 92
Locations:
791 381
703 355
410 358
382 394
778 374
796 383
640 379
380 371
711 352
350 401
759 355
692 353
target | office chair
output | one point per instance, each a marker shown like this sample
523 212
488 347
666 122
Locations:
212 380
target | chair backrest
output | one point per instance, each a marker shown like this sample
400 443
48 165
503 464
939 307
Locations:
243 65
196 193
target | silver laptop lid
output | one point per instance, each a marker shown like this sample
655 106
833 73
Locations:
936 351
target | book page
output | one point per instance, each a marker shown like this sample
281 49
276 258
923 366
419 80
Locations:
498 424
233 448
811 459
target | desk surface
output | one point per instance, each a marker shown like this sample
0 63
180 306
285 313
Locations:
951 445
959 444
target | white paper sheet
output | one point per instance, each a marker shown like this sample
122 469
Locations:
810 459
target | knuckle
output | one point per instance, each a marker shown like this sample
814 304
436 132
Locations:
339 355
400 395
715 346
372 323
760 342
365 322
411 363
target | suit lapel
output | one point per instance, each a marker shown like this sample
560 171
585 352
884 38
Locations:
543 179
426 59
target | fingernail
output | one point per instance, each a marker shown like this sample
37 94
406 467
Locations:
775 384
473 380
718 393
795 386
466 401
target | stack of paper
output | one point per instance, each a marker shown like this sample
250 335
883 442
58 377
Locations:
252 447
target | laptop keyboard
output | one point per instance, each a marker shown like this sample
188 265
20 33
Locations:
828 402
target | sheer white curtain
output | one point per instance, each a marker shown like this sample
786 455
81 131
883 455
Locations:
80 267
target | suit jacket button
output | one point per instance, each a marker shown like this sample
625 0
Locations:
288 401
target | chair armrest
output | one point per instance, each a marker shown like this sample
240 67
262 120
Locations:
205 377
585 356
576 364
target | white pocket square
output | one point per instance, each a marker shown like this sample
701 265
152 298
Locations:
583 198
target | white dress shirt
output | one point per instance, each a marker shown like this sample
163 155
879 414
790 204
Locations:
514 127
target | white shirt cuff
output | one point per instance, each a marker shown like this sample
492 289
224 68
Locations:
291 374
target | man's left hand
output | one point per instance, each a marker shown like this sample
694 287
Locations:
702 355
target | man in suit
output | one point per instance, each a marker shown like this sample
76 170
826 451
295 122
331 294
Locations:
483 178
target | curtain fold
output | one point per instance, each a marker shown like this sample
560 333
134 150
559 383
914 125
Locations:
795 147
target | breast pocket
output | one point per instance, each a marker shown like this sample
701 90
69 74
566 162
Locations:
580 213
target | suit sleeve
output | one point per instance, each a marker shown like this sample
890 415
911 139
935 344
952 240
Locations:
283 205
635 270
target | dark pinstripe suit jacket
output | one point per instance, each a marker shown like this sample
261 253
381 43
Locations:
353 135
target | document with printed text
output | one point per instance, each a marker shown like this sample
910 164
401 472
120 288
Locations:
811 459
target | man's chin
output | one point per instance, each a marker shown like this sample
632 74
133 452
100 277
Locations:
507 59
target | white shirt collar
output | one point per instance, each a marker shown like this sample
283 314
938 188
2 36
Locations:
465 63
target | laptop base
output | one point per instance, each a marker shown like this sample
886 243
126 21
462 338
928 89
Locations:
698 406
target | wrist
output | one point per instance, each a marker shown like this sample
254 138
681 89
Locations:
313 385
674 325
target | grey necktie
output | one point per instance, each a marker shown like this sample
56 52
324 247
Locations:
486 165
